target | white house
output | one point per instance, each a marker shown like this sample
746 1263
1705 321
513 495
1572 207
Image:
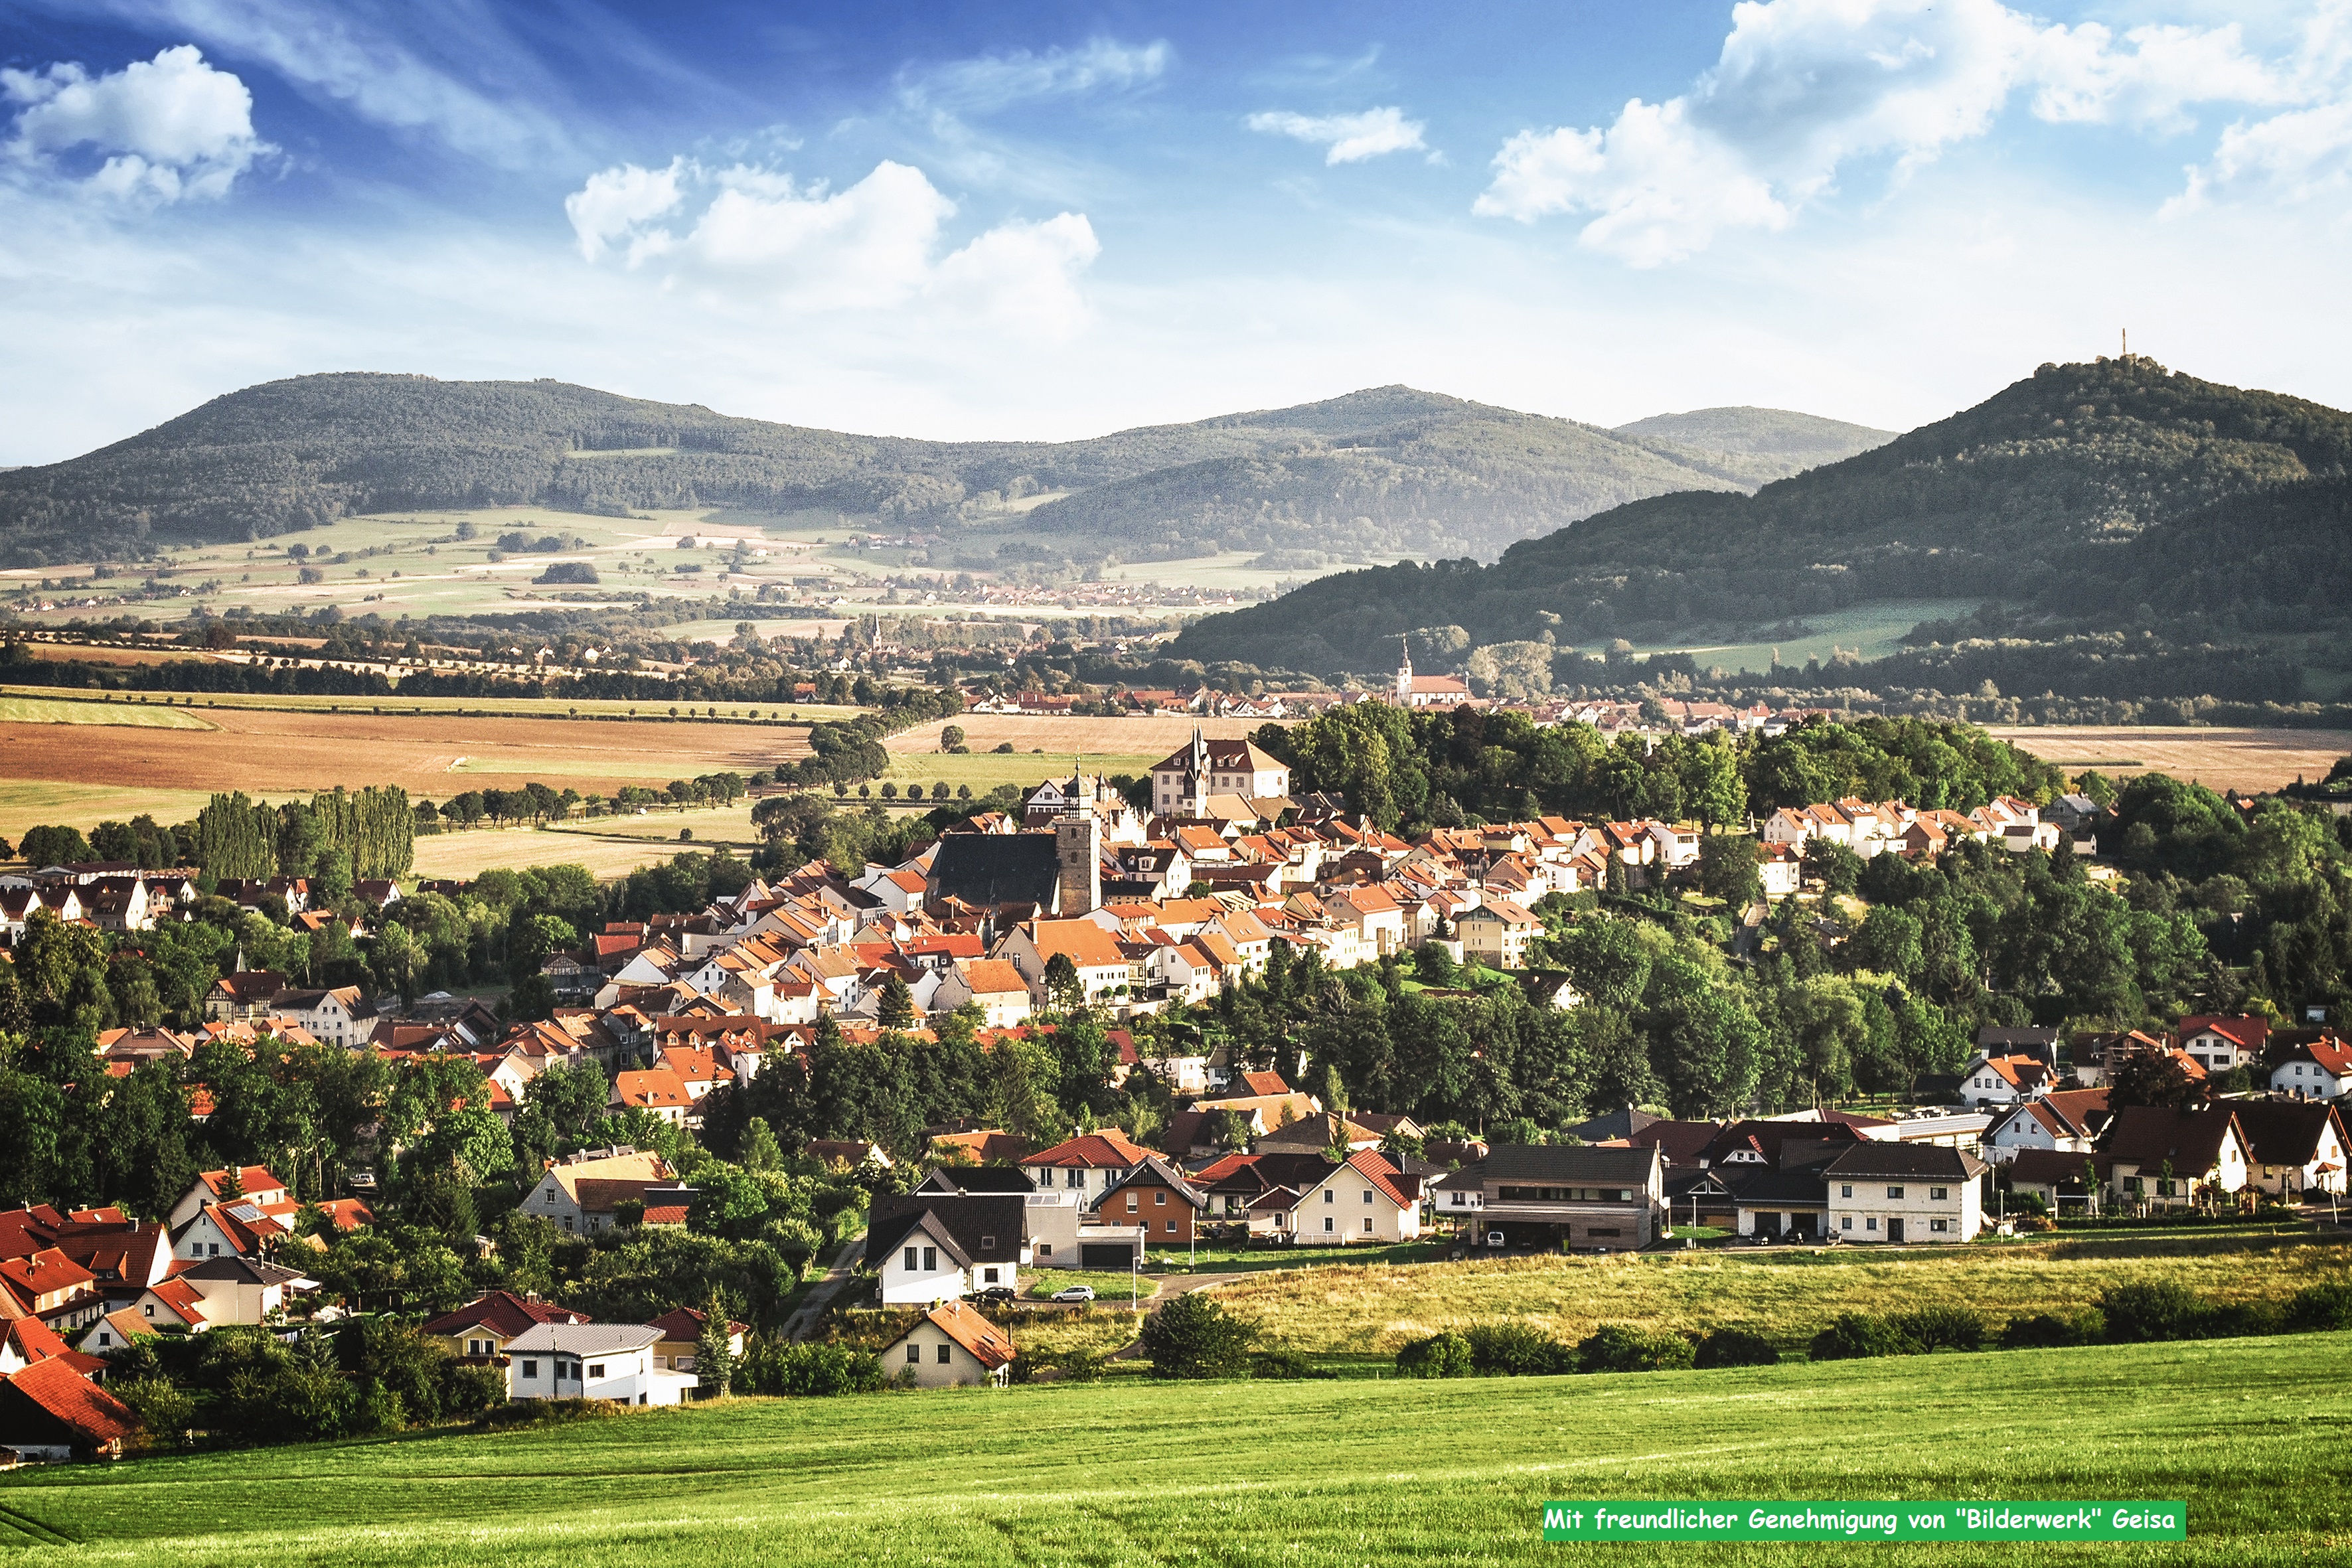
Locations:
559 1198
1904 1192
2320 1071
991 984
253 1183
930 1246
1365 1200
593 1361
950 1346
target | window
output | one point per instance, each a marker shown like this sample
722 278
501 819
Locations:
1368 1194
987 1243
531 1369
912 1265
1939 1195
1044 1249
1871 1224
1074 1178
1159 1200
1937 1225
987 1276
1845 1189
914 1354
148 1310
1130 1203
1368 1224
943 1357
596 1369
931 1259
1845 1222
1329 1225
1894 1192
1330 1196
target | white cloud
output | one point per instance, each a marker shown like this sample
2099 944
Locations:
166 128
1803 88
993 81
1350 138
2301 153
616 203
872 245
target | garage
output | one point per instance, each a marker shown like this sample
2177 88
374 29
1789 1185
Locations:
1097 1254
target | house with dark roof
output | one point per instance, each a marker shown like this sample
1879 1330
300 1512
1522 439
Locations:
941 1247
1904 1192
2163 1157
2062 1179
2293 1148
1549 1194
1010 872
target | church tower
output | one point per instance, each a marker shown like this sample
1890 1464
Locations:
1404 672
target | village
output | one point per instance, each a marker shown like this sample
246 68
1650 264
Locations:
1087 903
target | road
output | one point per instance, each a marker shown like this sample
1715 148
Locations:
811 1312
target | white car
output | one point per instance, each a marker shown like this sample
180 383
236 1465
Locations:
1074 1293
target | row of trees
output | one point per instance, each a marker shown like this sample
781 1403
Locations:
1411 768
373 830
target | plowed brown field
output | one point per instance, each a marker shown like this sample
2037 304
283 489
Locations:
282 752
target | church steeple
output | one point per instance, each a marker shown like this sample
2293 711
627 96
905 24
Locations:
1404 672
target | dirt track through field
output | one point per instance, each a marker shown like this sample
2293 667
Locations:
281 753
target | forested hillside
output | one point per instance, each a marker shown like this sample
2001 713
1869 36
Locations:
1758 445
2048 494
1385 469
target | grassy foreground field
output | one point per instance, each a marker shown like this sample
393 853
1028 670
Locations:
2251 1433
1786 1294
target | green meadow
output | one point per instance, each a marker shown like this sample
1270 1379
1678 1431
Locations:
2254 1435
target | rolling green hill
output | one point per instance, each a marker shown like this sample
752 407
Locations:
2046 494
2249 1433
1759 445
1385 469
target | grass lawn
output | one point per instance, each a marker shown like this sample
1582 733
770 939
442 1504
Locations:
1785 1294
1226 1257
1109 1284
2249 1432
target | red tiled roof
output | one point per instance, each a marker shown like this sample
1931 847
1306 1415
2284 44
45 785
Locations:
975 1333
94 1416
1106 1150
505 1313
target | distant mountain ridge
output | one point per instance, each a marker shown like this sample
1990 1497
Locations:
1387 468
2038 496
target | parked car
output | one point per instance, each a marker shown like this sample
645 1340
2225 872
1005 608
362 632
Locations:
1074 1293
994 1296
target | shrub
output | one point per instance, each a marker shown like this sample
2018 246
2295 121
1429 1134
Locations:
2321 1307
807 1371
2157 1311
1518 1350
1081 1367
1280 1365
1857 1336
1440 1355
1622 1347
162 1409
2048 1331
1941 1328
2241 1319
1192 1336
1735 1347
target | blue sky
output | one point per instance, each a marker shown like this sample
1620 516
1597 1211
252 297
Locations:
1055 220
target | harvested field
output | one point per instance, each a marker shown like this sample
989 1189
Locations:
2246 759
284 752
1059 737
29 803
398 706
127 715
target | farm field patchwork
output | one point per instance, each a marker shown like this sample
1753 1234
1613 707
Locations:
1786 1294
279 753
1304 1473
30 802
1059 737
397 706
2246 759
